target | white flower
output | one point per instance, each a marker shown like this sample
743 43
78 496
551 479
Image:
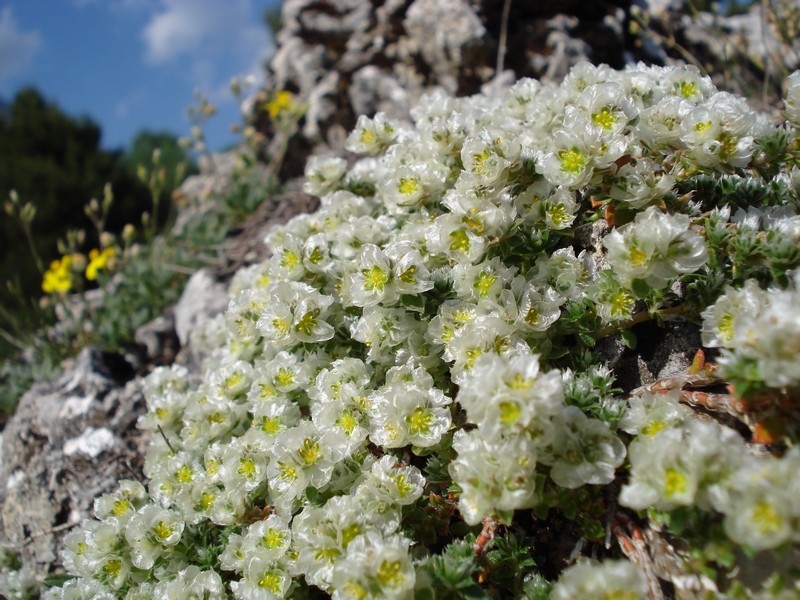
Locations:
505 395
151 532
730 321
583 450
489 155
494 475
269 539
302 456
372 136
408 410
121 504
374 567
391 482
598 581
641 182
655 248
324 174
570 161
263 580
295 313
545 207
649 413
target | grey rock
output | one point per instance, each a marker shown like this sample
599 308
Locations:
158 340
344 58
202 298
70 440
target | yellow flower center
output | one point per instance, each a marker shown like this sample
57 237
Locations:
113 568
472 355
349 533
288 473
271 425
280 325
620 302
271 581
725 327
637 256
121 507
308 322
289 260
403 486
558 214
367 137
185 474
480 159
604 118
247 467
390 574
310 451
519 382
375 278
687 89
509 413
284 377
347 422
207 500
484 283
419 421
409 275
162 530
459 241
675 482
702 126
408 186
653 427
273 539
766 518
572 160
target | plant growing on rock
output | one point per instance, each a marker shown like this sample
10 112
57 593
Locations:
415 395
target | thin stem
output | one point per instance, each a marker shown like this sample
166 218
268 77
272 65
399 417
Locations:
501 51
29 237
641 317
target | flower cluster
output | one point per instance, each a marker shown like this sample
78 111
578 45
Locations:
60 277
422 344
679 461
759 327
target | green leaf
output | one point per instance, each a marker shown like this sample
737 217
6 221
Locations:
640 289
629 339
57 579
414 303
587 339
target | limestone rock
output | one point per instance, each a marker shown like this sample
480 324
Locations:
70 440
344 58
202 298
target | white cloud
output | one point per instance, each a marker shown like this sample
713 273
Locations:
208 41
204 28
17 48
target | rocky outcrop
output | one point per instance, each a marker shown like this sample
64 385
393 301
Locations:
74 437
344 58
70 439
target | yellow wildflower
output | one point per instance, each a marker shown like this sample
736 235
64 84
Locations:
58 278
282 102
97 261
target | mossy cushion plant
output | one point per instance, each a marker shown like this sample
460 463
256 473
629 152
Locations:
406 400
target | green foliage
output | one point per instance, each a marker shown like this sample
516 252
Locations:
55 162
173 158
451 574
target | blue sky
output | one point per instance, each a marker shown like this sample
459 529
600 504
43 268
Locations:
133 64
